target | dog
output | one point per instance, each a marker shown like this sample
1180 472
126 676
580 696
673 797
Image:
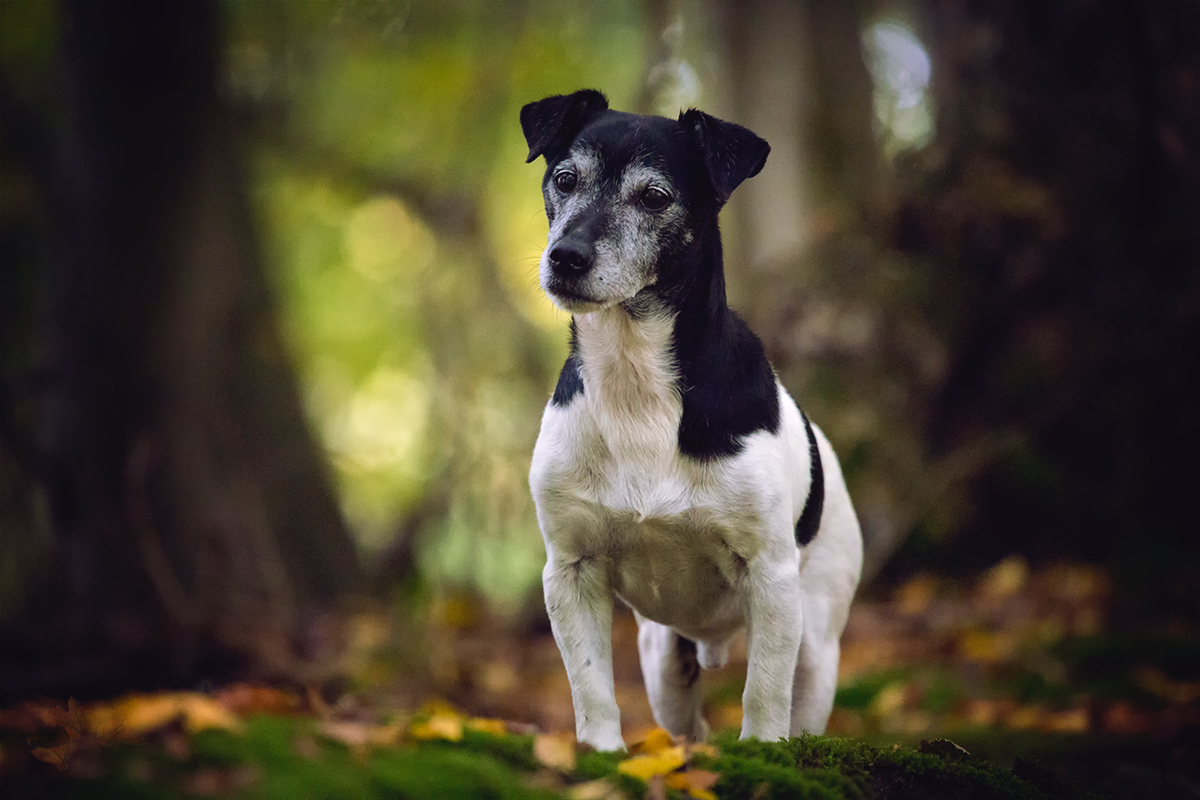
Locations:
672 469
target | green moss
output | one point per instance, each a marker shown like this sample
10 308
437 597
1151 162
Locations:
847 769
286 757
443 772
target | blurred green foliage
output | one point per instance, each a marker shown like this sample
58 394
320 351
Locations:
403 227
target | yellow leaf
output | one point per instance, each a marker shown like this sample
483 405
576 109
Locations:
201 712
440 725
696 782
555 750
656 741
1005 579
645 767
147 712
495 727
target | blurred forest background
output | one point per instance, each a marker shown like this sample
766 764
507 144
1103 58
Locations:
272 343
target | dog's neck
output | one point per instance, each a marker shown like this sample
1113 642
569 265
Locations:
644 340
631 382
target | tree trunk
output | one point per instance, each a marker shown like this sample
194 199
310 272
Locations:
195 534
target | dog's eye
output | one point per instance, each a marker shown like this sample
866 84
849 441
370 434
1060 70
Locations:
655 199
565 181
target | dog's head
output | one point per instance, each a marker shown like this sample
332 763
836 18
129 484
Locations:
631 199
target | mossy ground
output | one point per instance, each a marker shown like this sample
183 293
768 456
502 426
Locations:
285 757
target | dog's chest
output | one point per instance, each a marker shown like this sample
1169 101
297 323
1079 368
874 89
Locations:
627 419
611 483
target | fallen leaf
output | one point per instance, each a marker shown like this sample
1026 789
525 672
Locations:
655 741
647 766
600 789
555 750
696 782
1005 579
147 712
54 755
70 719
496 727
440 725
201 713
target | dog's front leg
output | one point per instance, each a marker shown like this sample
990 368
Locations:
579 602
773 626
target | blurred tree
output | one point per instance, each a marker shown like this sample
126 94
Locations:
190 529
1059 211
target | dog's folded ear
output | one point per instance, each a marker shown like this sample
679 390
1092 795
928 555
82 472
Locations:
731 153
550 125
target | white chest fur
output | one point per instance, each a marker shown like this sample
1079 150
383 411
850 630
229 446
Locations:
673 534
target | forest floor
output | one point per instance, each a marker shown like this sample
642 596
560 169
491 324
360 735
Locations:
1011 684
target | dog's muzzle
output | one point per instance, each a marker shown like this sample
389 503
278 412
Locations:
570 260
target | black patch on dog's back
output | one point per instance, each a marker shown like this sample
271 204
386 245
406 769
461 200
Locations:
810 517
727 386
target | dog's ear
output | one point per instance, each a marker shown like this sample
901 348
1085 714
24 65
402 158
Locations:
731 153
551 124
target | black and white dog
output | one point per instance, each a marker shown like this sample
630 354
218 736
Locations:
672 468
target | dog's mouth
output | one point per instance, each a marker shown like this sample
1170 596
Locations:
568 298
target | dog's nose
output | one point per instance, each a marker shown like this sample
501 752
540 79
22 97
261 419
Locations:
569 258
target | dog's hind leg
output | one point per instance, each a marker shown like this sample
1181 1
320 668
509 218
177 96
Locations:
672 675
816 671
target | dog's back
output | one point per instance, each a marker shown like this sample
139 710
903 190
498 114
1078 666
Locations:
672 469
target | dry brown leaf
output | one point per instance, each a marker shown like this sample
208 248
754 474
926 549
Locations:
57 755
600 789
697 783
555 750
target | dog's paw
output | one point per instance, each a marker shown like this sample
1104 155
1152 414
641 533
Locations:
602 743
